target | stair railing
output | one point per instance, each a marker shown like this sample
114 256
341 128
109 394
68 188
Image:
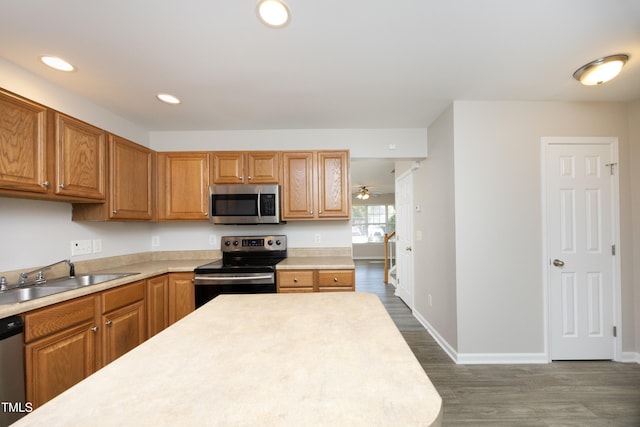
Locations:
390 258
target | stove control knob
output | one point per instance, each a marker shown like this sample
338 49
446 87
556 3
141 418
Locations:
270 242
235 243
227 243
278 242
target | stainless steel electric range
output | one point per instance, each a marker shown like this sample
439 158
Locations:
248 266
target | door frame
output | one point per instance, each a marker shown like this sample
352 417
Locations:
617 285
411 303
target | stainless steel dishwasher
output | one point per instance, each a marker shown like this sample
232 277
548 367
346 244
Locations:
12 395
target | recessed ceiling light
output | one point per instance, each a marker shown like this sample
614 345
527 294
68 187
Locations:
273 13
601 70
57 63
168 99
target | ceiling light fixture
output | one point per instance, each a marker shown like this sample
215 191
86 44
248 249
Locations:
168 99
363 193
57 63
601 70
273 13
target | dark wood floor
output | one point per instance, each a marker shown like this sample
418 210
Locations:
555 394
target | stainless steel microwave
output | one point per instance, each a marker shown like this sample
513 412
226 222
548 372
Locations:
244 204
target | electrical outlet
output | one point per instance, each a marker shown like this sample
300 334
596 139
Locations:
213 241
318 238
430 300
155 240
97 246
81 247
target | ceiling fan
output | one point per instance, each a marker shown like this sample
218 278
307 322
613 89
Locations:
363 193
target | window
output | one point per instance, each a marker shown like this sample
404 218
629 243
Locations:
369 223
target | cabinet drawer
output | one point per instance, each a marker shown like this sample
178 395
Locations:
121 296
295 279
55 318
336 278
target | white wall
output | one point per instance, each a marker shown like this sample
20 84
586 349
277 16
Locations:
35 233
498 217
363 143
21 82
435 254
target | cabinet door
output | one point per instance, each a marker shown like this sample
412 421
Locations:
80 159
59 361
157 304
333 185
130 182
124 329
297 186
183 186
182 299
263 167
23 145
228 167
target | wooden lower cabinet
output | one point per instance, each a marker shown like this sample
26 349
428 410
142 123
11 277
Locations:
290 281
123 320
182 298
61 347
68 341
157 304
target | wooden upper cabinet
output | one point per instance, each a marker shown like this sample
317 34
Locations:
183 186
298 199
333 185
263 167
130 195
315 185
80 159
23 145
130 180
234 167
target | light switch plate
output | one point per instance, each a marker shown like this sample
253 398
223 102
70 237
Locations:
81 247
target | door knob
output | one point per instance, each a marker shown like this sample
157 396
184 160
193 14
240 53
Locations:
558 263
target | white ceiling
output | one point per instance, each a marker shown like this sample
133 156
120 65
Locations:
338 64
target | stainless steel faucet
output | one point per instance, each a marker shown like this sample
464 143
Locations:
40 279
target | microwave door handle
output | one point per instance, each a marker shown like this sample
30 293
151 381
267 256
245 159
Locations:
259 213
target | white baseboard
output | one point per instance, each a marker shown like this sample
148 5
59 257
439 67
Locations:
480 358
630 357
501 358
451 352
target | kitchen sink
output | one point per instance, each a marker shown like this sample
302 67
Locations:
55 286
26 294
86 280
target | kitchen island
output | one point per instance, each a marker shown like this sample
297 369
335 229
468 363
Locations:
267 359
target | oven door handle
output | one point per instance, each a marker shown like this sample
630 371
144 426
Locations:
217 279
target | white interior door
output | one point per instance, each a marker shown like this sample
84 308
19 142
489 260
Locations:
404 238
581 229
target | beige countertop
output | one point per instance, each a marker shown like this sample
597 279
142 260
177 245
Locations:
146 267
316 263
325 359
143 269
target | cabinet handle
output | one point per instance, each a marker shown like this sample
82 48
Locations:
241 177
311 212
95 329
206 214
108 323
46 184
335 279
115 211
63 186
250 178
295 280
